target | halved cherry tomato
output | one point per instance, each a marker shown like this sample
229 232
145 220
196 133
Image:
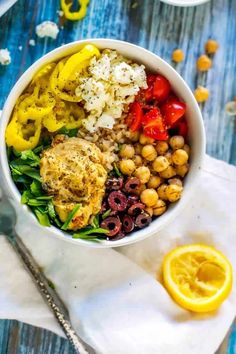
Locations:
183 128
172 111
154 126
135 116
147 94
161 88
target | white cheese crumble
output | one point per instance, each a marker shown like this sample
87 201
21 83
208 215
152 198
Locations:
32 42
107 87
20 48
47 29
5 57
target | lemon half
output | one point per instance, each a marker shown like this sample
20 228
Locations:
198 277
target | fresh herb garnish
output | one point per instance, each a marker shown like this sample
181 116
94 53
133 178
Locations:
70 217
106 214
117 171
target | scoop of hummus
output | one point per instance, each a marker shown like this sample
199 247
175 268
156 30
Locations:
72 171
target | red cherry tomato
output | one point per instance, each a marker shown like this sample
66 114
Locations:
146 95
135 116
153 125
172 111
161 88
183 128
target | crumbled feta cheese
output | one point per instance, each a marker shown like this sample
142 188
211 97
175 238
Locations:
107 87
123 73
47 29
105 121
32 42
60 13
5 58
20 47
100 68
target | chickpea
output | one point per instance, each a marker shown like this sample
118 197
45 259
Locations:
186 148
169 172
141 188
176 142
149 197
201 94
127 167
138 149
143 174
180 157
159 208
178 55
149 152
134 136
138 160
161 191
175 181
173 192
154 182
211 46
162 147
143 139
204 63
160 164
149 210
168 156
182 170
127 151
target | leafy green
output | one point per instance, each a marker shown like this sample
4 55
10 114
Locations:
26 196
32 159
106 214
36 188
90 231
42 218
20 169
45 197
70 132
36 202
38 149
70 217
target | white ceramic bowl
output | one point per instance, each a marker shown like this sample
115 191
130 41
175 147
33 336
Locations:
153 63
184 3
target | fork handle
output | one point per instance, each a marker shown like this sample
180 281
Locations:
50 296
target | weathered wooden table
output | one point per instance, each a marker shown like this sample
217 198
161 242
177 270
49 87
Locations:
153 25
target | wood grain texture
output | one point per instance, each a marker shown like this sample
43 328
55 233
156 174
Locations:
155 26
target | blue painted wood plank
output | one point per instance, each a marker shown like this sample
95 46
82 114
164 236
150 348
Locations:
153 25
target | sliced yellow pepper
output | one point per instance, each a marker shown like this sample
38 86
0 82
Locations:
35 106
77 15
76 63
45 70
52 123
55 88
23 137
75 118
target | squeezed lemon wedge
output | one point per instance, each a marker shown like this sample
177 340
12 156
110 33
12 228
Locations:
198 277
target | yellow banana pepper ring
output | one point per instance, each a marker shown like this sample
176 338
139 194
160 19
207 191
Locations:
45 70
77 15
23 137
75 118
35 106
52 124
76 63
55 88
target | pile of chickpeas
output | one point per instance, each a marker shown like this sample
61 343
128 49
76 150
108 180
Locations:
159 165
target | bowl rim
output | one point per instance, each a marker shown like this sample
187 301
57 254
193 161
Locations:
183 3
12 190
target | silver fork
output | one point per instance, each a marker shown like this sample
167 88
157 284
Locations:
7 227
